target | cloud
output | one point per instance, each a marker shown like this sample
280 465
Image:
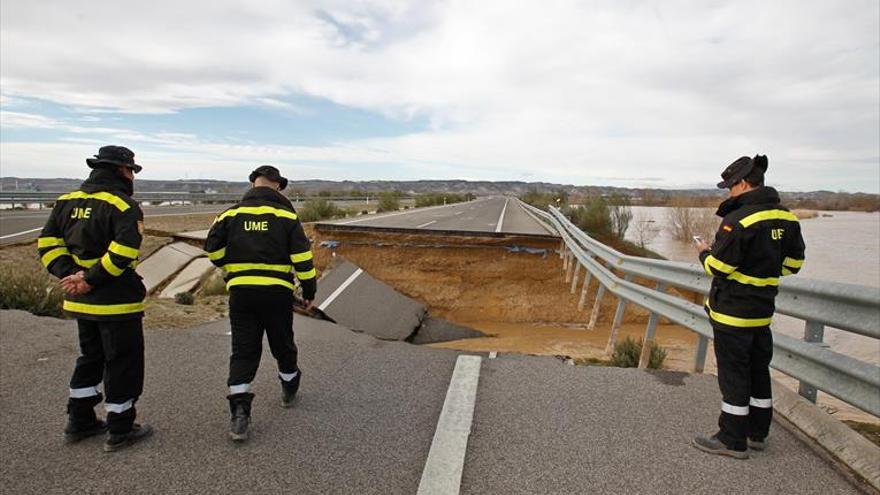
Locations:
571 90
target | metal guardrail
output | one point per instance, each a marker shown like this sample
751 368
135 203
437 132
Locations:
851 308
16 197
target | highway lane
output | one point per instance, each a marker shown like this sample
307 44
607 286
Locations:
19 226
495 214
365 422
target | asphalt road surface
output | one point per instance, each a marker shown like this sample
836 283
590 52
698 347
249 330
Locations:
365 422
496 214
25 225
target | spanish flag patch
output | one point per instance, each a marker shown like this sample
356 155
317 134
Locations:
727 228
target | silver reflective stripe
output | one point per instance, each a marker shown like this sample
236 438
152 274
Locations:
735 410
119 408
763 403
82 393
240 389
288 376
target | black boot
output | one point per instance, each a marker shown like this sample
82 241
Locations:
124 432
240 408
82 422
289 389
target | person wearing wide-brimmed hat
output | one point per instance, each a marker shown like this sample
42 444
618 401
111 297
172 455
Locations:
91 242
758 242
261 245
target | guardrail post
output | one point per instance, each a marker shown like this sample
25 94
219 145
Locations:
814 332
561 249
574 278
588 276
648 342
595 314
565 261
568 271
618 320
700 354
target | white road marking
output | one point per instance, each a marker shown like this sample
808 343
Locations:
459 213
501 218
407 212
432 222
340 289
443 469
493 355
20 233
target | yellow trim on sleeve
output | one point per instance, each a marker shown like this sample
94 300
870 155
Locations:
123 250
719 265
307 275
111 268
792 263
217 255
54 254
300 257
44 242
85 263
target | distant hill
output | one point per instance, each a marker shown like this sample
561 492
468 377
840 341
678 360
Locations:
821 199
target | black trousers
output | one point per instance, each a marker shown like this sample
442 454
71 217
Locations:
112 352
253 310
743 356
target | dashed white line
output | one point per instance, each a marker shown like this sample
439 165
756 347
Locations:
340 289
367 218
500 224
443 469
432 222
493 355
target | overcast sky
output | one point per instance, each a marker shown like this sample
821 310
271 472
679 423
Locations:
624 93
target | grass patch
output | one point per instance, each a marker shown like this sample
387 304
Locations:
31 291
315 210
627 354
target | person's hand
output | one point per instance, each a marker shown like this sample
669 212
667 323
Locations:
76 284
702 245
310 304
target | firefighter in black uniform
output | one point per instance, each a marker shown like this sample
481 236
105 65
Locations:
758 242
91 243
260 244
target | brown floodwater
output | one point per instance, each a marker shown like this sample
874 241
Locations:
841 247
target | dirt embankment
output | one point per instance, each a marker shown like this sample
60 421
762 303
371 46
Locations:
519 299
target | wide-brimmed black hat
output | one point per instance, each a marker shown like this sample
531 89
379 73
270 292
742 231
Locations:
269 172
114 155
740 169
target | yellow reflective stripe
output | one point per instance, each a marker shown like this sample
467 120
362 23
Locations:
44 242
749 280
108 265
85 263
719 265
768 215
253 280
792 263
103 309
300 257
241 267
123 250
257 210
218 254
54 254
113 199
307 275
786 271
734 321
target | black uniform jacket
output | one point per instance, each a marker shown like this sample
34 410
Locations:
260 242
758 242
97 229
